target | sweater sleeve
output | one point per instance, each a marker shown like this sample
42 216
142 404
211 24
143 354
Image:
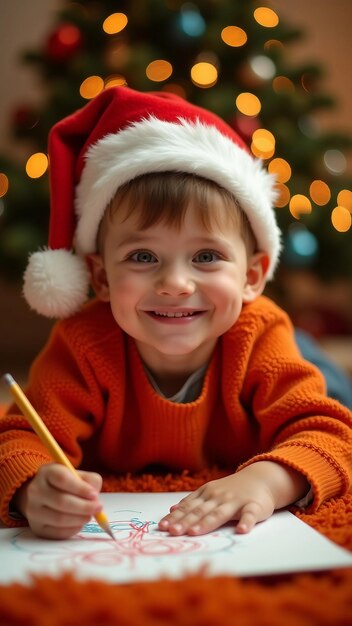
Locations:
299 425
64 391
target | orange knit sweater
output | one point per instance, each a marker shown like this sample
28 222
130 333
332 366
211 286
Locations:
259 401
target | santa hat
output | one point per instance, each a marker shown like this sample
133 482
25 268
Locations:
117 136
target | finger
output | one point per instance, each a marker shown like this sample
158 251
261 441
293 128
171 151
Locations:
249 516
62 479
93 479
57 531
186 500
61 506
216 517
184 508
196 518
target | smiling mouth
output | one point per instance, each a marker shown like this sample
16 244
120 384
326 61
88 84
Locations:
174 314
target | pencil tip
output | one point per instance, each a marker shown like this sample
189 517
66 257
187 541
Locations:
109 531
8 379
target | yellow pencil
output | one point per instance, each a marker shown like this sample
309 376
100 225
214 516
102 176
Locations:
48 440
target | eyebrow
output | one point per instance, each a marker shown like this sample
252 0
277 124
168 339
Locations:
136 239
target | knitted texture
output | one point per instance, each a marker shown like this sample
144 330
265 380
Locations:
259 400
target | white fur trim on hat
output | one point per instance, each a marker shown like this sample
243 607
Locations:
56 282
153 145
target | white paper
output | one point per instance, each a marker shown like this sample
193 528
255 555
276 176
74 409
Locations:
281 544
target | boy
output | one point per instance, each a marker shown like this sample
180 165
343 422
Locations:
180 362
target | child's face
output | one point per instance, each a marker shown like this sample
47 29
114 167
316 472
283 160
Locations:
175 291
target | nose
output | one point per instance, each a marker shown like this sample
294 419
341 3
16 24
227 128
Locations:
174 281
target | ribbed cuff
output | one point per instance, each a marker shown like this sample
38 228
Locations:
323 476
15 472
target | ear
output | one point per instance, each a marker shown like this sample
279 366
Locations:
98 277
257 269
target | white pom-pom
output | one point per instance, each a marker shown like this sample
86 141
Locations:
56 283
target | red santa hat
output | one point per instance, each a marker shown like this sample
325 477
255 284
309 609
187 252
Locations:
117 136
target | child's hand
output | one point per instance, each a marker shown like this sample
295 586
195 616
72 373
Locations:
56 503
249 496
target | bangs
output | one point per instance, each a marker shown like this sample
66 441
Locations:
165 197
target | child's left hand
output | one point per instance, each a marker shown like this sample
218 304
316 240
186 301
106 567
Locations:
249 496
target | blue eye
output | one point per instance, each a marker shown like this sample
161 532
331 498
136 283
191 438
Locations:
206 256
143 257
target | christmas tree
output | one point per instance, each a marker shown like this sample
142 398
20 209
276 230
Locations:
225 55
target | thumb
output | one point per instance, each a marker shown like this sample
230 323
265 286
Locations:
93 479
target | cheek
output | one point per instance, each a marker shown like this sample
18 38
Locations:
126 290
224 289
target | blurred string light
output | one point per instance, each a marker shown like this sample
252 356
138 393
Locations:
37 165
281 169
91 87
263 67
191 22
299 205
115 23
234 36
116 80
263 143
341 219
283 195
282 84
335 161
319 192
344 198
248 104
159 70
266 17
274 45
4 184
301 246
204 74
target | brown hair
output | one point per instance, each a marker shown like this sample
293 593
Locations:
165 196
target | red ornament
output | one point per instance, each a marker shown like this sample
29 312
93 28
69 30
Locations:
64 43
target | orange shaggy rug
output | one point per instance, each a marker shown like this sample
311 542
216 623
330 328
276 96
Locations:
317 599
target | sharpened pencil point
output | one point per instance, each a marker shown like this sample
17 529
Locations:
109 531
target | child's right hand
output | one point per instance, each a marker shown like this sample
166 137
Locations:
56 503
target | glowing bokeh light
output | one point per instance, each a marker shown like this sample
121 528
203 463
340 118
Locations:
274 45
69 34
266 17
115 81
263 141
281 169
303 242
191 21
234 36
4 184
115 23
319 192
344 198
248 104
91 87
263 67
37 165
341 219
284 195
335 162
299 205
159 70
204 74
282 84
